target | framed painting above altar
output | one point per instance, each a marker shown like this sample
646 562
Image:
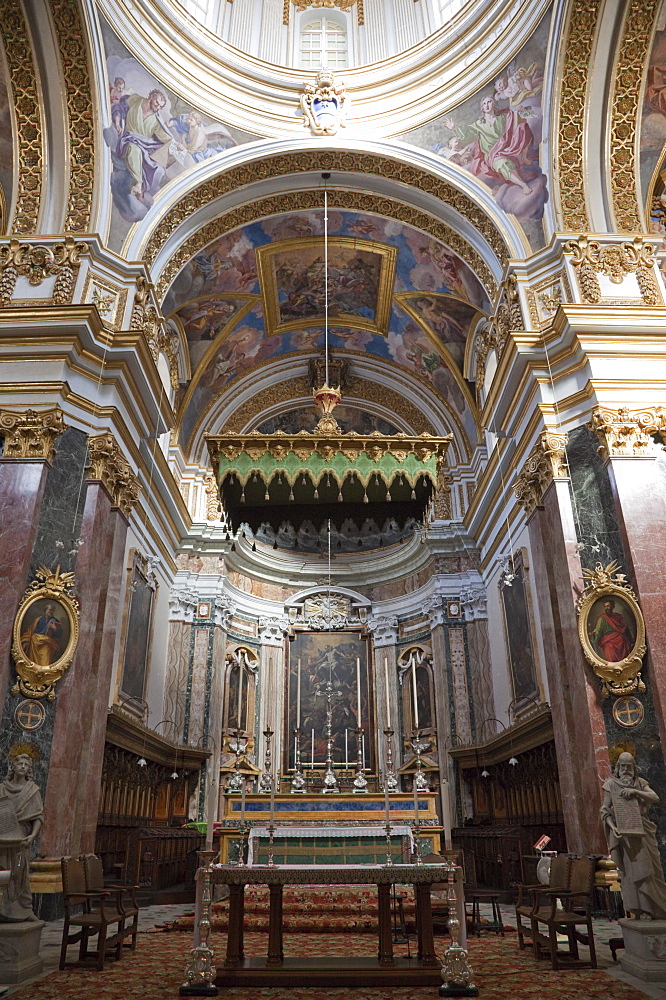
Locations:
343 658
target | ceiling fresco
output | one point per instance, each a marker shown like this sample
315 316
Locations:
497 136
257 294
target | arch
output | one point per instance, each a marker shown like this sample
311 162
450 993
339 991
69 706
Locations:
236 179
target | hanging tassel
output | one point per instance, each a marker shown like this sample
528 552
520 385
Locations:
254 546
275 544
291 494
233 546
365 496
242 499
316 493
339 496
413 494
389 497
267 495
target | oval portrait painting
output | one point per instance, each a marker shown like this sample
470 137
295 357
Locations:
45 631
612 628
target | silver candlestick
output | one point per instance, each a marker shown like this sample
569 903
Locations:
418 746
390 776
457 975
330 780
200 971
298 781
389 856
270 863
237 746
360 781
266 779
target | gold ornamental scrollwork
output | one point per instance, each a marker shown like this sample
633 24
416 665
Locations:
30 434
574 76
28 154
611 630
45 633
111 468
616 261
494 334
633 52
159 336
624 433
325 103
546 463
37 262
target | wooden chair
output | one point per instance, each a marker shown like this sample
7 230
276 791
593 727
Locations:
125 895
98 913
576 909
531 897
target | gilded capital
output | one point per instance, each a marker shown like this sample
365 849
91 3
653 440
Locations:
111 468
31 434
624 433
546 463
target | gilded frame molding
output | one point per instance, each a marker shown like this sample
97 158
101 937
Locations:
618 677
38 680
269 284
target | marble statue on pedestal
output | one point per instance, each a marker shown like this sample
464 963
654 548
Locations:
21 816
631 839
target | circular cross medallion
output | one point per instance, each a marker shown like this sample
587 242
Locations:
628 712
30 714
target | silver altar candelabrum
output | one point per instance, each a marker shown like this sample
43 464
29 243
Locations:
360 781
237 746
270 863
200 971
330 781
457 976
390 777
418 746
298 781
266 779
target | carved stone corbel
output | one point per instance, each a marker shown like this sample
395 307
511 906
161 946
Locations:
37 262
30 435
108 465
615 260
182 605
545 463
624 433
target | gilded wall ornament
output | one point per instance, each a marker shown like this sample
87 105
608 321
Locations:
443 502
111 468
611 630
37 262
546 463
624 433
328 160
325 103
326 610
633 52
493 335
615 261
28 155
161 339
569 167
45 633
212 498
71 35
30 434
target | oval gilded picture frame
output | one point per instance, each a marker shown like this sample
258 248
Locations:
611 630
45 634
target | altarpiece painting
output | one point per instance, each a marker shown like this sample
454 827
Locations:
339 657
519 634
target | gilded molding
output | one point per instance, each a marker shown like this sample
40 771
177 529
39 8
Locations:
38 262
633 52
616 261
569 168
494 334
442 503
329 160
71 34
369 392
111 468
31 434
325 443
546 463
212 498
624 433
159 337
298 201
340 4
28 152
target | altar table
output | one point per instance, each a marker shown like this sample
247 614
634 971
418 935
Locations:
276 970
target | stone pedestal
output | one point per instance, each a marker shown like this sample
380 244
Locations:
644 949
19 951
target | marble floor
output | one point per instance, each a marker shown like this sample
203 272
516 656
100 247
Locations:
151 916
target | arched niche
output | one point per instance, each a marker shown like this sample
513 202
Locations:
240 688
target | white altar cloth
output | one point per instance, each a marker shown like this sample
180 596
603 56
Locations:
326 831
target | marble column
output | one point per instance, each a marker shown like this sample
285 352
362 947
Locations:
29 439
72 791
575 699
638 482
270 691
443 719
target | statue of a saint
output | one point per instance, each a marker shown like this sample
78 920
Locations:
21 816
631 839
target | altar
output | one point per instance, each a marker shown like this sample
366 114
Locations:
274 969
